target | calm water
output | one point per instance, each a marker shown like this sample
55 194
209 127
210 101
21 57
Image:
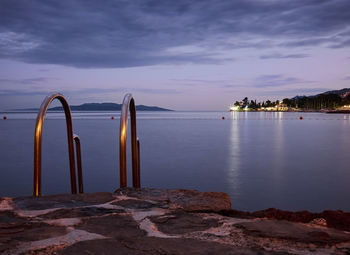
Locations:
261 159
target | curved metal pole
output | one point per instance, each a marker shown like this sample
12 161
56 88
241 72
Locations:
79 165
38 142
129 103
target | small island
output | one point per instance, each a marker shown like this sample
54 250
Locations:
335 101
104 107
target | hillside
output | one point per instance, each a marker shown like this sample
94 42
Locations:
332 99
107 107
101 107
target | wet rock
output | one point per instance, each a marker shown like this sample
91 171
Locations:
189 200
181 222
62 201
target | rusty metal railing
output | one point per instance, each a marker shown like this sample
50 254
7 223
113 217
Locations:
129 103
38 145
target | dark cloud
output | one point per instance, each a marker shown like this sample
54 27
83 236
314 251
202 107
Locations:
281 56
92 34
276 80
347 78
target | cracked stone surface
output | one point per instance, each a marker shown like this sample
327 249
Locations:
157 221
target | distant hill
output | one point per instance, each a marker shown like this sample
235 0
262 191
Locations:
332 99
105 107
343 93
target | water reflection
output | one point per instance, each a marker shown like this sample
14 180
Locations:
234 153
278 156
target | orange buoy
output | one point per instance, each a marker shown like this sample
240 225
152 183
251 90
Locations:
301 117
5 117
112 118
223 117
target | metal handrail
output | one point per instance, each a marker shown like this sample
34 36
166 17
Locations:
129 103
79 165
38 144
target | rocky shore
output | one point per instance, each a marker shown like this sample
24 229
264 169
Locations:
155 221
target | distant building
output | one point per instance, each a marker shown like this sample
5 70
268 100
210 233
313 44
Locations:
234 108
282 107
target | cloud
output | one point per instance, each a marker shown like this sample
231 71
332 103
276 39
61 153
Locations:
281 56
347 78
85 91
122 90
294 92
117 34
27 81
276 80
200 82
341 44
21 92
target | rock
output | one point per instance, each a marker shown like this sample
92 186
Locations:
156 246
155 221
12 235
138 204
62 201
116 226
6 204
181 222
79 212
293 231
337 219
319 221
272 213
189 200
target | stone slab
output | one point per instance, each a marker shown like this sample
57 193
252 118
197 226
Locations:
188 200
155 221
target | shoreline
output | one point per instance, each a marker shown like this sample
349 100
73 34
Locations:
307 111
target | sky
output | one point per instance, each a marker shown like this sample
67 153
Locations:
182 55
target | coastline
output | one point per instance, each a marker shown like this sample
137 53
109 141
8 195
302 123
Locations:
301 110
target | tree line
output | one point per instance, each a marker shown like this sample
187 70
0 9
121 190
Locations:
321 101
252 104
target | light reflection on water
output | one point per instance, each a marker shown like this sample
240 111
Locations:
261 159
234 156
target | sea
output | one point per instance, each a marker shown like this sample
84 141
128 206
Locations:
261 159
